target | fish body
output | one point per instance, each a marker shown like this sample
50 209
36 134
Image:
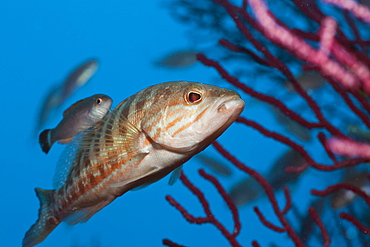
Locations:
278 177
78 117
246 191
49 104
214 164
309 80
77 78
343 197
181 59
249 189
143 139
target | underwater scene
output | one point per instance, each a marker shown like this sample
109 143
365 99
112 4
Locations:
185 123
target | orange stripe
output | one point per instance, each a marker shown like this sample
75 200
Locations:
188 124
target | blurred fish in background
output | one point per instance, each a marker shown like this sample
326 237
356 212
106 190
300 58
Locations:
278 177
78 78
246 191
290 125
179 59
249 189
343 197
309 80
358 133
215 165
60 93
78 117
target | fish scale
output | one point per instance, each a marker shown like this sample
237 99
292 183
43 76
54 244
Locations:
143 139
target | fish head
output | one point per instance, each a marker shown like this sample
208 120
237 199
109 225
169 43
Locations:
194 115
100 105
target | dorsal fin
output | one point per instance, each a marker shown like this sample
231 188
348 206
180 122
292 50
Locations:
69 109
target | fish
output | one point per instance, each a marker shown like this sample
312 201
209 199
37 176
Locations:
291 126
246 191
78 117
216 166
358 133
249 189
146 137
180 59
343 197
48 106
278 177
309 80
77 78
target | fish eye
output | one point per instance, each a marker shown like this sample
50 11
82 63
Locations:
98 101
193 97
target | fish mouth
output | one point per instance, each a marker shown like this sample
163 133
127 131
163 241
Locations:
230 103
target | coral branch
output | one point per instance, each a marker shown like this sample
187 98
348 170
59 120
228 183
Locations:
266 222
170 243
285 38
354 221
319 223
268 190
288 204
209 218
339 186
349 147
360 11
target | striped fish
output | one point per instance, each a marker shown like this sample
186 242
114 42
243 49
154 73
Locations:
147 136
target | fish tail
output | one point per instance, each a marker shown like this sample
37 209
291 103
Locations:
45 223
45 140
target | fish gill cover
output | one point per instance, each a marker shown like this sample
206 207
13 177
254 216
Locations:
249 49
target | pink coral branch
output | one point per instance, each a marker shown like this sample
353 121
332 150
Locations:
359 10
327 34
349 147
291 42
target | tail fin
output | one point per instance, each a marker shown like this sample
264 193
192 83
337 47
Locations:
45 223
45 140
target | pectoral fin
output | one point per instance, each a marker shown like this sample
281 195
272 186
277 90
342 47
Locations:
125 182
175 175
84 214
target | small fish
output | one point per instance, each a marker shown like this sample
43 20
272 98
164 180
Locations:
77 78
293 127
309 80
49 104
358 133
78 117
343 197
278 177
249 189
181 59
246 191
143 139
215 165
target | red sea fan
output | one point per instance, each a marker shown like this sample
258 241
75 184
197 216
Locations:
341 58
